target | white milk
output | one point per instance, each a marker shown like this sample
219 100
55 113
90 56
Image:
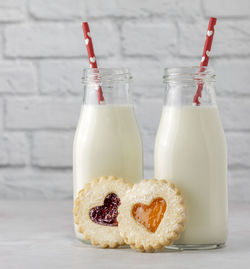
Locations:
107 142
190 151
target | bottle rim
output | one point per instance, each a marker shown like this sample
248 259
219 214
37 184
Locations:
188 73
106 75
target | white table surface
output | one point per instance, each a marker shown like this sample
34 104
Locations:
38 234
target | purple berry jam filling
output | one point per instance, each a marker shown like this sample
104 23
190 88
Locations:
106 214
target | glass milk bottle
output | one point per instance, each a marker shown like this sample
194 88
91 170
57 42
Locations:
190 151
107 140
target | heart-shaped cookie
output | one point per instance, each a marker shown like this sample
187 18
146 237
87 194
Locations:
151 215
96 208
106 214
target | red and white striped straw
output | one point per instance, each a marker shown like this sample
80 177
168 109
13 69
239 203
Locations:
91 55
205 56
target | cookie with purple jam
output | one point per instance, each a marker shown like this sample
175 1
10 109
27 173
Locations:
96 210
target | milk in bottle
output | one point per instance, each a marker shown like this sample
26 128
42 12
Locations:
190 151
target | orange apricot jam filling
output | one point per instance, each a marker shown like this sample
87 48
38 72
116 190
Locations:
150 216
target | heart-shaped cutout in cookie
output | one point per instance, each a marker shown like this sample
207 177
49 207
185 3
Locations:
106 214
150 216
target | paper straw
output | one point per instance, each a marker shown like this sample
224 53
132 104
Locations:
91 55
205 57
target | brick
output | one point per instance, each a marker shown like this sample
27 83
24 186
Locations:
49 185
232 76
149 38
238 149
58 40
148 112
41 40
61 77
14 149
57 9
1 115
12 10
231 38
187 11
1 44
142 8
233 111
52 149
18 78
148 138
39 113
226 8
239 185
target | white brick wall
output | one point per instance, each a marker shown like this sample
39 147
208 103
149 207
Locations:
143 38
52 150
230 85
41 113
227 8
1 115
18 79
42 56
42 40
235 111
13 10
57 9
14 149
61 77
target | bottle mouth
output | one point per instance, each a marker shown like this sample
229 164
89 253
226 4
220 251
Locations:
188 73
106 75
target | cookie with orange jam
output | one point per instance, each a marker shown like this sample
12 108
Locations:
151 215
96 209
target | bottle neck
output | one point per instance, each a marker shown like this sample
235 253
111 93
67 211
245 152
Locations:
114 84
182 83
